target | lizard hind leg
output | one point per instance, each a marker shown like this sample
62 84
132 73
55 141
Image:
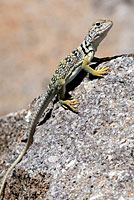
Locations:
66 103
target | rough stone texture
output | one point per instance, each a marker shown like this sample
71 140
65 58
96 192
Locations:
81 156
36 34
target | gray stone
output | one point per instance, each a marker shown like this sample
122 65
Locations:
81 156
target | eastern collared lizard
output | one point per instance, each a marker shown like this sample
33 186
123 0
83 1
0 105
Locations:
67 70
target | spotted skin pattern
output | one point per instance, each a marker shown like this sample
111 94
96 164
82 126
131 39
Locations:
67 70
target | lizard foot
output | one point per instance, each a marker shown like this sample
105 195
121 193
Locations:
102 70
69 104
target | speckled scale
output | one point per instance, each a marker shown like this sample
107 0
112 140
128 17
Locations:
67 65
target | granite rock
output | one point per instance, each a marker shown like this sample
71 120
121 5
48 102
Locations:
81 156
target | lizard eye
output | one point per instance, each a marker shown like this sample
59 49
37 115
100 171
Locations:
97 23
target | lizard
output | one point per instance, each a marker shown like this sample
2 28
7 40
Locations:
66 71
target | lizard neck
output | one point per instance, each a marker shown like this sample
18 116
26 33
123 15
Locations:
85 49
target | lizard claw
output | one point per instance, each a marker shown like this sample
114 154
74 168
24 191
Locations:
101 71
69 104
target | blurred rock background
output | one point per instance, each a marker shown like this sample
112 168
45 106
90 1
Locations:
36 35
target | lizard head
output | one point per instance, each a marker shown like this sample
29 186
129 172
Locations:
98 32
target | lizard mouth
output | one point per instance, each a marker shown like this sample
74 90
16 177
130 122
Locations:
105 31
109 26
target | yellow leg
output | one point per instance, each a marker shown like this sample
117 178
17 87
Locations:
100 72
66 103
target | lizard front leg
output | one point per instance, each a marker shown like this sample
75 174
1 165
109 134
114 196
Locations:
100 72
66 103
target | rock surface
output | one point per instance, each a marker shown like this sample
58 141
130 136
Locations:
81 156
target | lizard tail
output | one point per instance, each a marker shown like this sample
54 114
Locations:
43 105
12 166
